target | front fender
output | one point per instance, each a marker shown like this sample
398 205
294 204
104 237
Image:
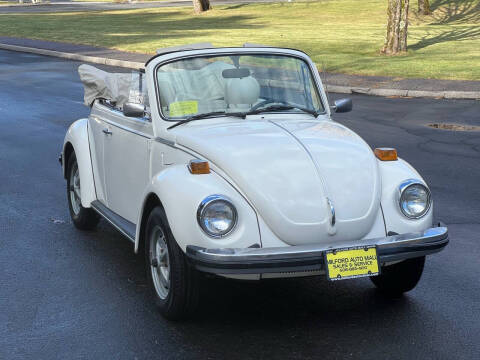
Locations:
77 136
393 173
180 193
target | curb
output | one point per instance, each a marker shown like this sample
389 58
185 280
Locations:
71 56
468 95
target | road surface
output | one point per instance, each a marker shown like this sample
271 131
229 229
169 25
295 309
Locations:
67 294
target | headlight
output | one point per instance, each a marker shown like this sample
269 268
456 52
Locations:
414 199
217 216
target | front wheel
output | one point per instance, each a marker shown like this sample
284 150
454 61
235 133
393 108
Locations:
396 279
173 281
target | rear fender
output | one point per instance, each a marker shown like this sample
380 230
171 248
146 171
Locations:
77 137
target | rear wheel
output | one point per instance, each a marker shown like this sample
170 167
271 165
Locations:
174 283
396 279
83 218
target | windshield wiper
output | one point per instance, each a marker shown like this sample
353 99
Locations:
207 115
242 115
273 108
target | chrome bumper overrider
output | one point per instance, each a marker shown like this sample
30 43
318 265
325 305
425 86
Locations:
311 257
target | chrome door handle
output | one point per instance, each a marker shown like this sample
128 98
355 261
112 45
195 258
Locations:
107 132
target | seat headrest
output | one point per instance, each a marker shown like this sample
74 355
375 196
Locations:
242 91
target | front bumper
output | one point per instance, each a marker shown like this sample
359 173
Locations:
311 257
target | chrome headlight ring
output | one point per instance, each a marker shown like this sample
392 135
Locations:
224 224
407 188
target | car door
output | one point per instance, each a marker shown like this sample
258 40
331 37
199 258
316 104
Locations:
126 163
96 134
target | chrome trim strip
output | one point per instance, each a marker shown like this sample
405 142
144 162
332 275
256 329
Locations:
262 47
165 141
127 129
116 220
117 112
401 241
332 213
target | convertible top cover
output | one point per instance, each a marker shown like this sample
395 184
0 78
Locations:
117 88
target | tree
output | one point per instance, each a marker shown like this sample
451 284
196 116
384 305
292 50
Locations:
200 6
397 27
423 7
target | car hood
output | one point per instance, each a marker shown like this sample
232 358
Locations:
294 173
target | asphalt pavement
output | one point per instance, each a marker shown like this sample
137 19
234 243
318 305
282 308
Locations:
67 294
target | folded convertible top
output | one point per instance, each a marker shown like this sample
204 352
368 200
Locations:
99 84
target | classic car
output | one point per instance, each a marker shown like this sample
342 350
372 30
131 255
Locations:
226 161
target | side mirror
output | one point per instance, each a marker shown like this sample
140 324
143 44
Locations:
343 105
133 110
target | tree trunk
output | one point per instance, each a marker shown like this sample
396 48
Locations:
423 7
200 6
404 26
397 25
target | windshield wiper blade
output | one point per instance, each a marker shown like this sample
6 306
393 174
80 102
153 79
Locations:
206 115
242 115
273 108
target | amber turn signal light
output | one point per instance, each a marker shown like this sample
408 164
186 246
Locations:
199 167
386 154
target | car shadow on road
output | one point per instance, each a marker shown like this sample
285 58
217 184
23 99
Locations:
241 300
302 314
312 298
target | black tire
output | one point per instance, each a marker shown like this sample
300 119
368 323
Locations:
396 279
83 218
182 297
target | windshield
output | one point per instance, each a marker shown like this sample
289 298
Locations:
236 84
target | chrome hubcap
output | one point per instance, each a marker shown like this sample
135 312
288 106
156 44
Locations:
159 262
74 190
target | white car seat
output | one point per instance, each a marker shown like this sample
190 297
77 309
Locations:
241 93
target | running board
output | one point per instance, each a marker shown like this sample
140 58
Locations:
126 227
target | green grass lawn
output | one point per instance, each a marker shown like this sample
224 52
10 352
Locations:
343 35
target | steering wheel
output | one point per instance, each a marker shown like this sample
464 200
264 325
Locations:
265 102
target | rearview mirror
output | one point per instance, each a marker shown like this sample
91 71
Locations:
133 110
235 73
343 105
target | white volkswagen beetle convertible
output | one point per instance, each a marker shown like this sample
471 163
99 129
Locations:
226 161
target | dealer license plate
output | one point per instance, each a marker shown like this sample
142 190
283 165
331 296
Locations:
351 262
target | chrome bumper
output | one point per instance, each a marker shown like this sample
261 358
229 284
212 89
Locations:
311 257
